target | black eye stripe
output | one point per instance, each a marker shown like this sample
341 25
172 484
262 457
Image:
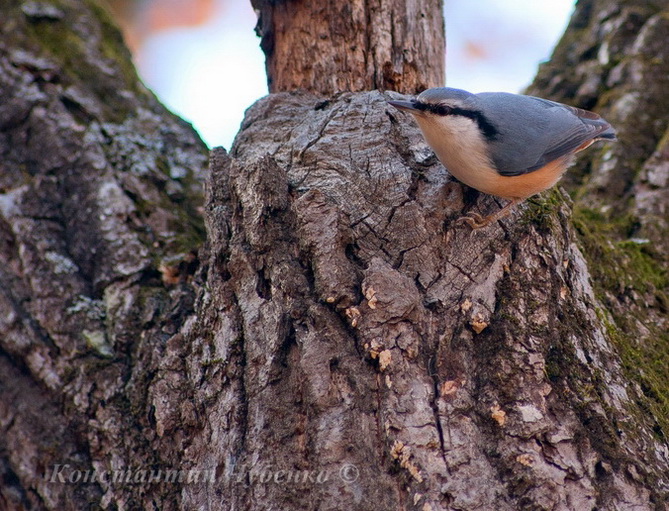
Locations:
436 109
487 128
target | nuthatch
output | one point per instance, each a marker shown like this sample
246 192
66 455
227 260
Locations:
502 144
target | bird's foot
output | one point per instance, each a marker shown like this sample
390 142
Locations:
474 220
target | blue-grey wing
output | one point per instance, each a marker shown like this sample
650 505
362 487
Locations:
534 132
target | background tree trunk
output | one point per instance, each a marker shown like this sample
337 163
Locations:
621 209
99 232
342 345
329 47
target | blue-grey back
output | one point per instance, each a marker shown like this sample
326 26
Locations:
533 131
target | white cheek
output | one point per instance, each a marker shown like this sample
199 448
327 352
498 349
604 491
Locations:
460 146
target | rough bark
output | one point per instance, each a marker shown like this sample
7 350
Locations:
367 330
622 198
342 345
99 232
329 47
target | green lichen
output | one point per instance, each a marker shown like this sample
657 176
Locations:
646 362
628 276
581 385
97 341
88 51
113 47
617 262
542 210
106 68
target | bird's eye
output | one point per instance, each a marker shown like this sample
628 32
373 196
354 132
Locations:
442 109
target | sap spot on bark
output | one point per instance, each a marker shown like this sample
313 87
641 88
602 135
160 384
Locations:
525 459
498 414
372 299
402 454
385 358
478 323
354 315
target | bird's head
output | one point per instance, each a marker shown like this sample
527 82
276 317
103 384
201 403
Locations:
441 101
456 110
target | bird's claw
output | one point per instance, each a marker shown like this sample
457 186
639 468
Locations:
473 220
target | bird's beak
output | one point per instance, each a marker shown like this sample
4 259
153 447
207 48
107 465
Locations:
407 106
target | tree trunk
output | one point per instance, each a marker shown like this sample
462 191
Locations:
339 343
329 47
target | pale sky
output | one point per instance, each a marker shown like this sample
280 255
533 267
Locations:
211 73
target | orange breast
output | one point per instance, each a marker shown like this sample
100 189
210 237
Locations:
526 185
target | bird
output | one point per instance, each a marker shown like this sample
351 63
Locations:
508 145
